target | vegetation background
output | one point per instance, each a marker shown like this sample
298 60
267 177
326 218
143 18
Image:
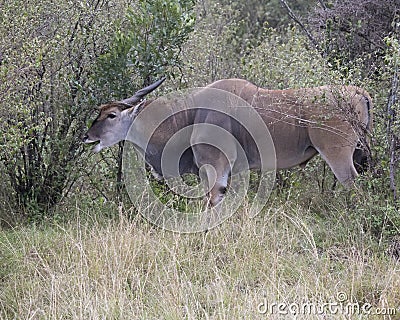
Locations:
72 246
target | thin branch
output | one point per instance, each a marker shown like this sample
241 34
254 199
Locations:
297 20
391 115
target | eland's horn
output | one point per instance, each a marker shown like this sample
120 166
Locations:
142 92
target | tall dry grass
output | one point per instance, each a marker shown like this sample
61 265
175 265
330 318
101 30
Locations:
121 267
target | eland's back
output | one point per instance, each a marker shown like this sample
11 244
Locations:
330 120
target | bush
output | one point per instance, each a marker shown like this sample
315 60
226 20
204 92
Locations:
286 60
212 51
48 52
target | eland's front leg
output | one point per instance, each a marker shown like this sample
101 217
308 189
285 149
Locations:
214 171
215 179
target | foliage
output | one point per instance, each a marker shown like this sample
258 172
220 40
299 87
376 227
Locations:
146 45
253 16
212 50
157 31
347 30
286 61
47 50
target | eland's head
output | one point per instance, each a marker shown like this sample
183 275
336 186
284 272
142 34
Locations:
114 120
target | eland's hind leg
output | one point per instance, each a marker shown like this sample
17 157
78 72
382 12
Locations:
337 150
341 163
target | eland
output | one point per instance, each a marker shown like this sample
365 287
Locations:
332 121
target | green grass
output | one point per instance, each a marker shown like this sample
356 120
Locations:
105 262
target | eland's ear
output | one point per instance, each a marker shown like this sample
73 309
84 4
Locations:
134 111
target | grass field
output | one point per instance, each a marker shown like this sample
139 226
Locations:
316 261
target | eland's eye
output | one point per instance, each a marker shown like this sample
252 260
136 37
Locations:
111 115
